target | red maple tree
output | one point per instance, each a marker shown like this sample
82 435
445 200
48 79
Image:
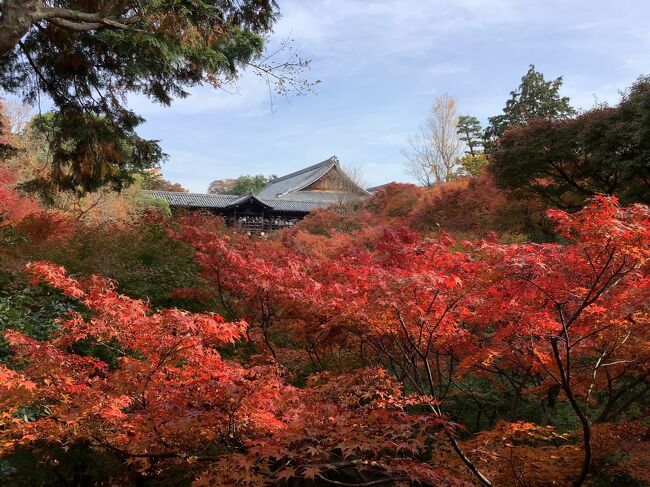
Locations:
558 322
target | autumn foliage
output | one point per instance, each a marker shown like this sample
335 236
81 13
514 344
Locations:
548 327
169 398
367 347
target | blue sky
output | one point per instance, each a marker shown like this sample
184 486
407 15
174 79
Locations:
381 64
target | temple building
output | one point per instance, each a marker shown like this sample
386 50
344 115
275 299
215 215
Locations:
281 203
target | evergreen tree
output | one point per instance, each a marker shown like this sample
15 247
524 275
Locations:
242 185
535 98
88 56
605 150
471 133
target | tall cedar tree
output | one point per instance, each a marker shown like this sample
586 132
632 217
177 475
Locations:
567 161
87 56
535 98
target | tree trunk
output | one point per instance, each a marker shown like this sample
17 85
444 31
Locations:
16 18
582 416
514 405
549 406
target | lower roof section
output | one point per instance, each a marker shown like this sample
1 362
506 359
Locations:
231 202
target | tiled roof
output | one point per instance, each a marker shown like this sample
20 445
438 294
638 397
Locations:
299 179
290 186
285 204
217 201
374 189
281 194
322 196
194 200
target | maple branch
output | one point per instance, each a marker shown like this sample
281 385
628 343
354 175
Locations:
166 454
630 401
222 299
160 363
382 348
335 465
97 202
539 288
435 409
584 421
593 294
407 334
615 396
454 443
124 453
593 377
363 484
590 334
264 324
518 476
465 459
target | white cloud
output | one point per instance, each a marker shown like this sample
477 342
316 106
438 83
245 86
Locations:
382 63
407 27
248 93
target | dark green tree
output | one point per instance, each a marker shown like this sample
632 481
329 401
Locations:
85 151
242 185
535 98
567 161
87 56
471 133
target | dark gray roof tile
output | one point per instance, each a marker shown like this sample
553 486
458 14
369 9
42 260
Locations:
282 194
296 180
194 200
214 201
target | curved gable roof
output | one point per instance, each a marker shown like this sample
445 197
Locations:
249 199
287 193
285 185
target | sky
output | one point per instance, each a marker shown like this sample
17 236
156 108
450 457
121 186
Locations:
381 65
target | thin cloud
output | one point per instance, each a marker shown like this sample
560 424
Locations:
382 64
246 93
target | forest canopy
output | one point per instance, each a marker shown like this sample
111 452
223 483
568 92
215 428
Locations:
487 327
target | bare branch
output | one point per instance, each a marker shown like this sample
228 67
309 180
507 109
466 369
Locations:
433 154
